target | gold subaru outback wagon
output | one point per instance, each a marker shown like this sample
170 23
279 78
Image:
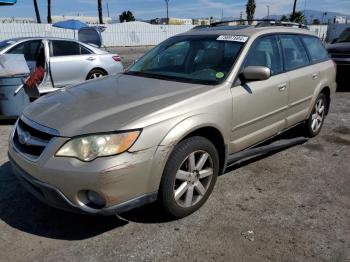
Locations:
168 126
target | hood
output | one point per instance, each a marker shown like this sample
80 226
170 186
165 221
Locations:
107 104
339 48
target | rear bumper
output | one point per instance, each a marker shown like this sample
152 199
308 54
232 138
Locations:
54 197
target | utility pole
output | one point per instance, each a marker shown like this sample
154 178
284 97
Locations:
167 11
268 12
294 7
107 8
49 19
37 13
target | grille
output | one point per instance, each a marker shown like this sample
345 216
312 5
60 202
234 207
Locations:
29 140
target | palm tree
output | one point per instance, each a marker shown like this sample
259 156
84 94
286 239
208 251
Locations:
37 11
99 7
49 19
297 17
250 10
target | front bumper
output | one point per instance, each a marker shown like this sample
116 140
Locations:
55 198
125 181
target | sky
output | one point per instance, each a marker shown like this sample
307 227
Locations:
146 9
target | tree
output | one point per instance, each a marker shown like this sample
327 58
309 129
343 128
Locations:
126 16
99 8
297 17
284 18
49 19
37 11
316 22
250 10
167 10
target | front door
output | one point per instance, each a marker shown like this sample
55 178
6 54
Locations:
259 107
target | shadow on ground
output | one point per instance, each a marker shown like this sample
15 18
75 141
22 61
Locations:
7 122
20 210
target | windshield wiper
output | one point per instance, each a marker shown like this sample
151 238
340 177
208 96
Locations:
136 73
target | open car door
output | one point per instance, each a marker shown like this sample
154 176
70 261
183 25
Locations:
91 35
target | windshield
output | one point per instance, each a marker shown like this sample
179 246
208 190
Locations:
345 36
4 44
191 59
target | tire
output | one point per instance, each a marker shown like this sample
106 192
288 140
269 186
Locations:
180 177
315 121
96 73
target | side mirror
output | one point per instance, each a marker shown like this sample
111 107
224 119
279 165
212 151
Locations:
255 73
334 40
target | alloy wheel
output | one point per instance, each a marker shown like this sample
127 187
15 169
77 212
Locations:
193 178
318 115
95 75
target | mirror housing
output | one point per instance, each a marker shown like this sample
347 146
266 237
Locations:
255 73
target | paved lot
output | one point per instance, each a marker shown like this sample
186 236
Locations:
296 201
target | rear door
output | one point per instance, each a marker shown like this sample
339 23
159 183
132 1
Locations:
303 78
70 62
259 107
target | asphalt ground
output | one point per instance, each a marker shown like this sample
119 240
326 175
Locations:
295 201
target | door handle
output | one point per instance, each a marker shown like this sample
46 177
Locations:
315 76
91 58
282 87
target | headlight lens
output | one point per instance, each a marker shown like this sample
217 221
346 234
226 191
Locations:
88 148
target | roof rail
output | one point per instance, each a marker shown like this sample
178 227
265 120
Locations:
244 21
260 23
280 23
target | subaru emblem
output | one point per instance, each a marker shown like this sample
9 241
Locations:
23 137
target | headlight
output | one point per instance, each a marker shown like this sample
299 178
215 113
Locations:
87 148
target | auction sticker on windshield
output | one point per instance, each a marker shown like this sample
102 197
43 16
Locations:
233 38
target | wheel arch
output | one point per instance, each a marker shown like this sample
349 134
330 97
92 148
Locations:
327 92
96 68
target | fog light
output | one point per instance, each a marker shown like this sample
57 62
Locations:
95 200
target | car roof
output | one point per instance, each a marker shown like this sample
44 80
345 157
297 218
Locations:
18 39
249 31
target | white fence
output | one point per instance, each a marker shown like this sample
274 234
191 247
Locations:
133 33
124 34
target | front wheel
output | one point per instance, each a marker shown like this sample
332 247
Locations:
314 123
189 176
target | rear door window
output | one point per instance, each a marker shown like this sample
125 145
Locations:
265 52
315 47
65 48
294 52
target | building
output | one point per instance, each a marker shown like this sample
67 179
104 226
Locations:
340 19
172 21
91 20
18 20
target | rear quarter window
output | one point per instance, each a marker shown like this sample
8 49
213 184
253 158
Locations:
315 48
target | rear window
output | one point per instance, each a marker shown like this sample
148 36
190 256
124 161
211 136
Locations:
315 47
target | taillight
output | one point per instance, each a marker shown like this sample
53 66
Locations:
117 58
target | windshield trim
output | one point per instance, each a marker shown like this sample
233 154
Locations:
171 78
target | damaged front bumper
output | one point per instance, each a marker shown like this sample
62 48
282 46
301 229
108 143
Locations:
125 181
